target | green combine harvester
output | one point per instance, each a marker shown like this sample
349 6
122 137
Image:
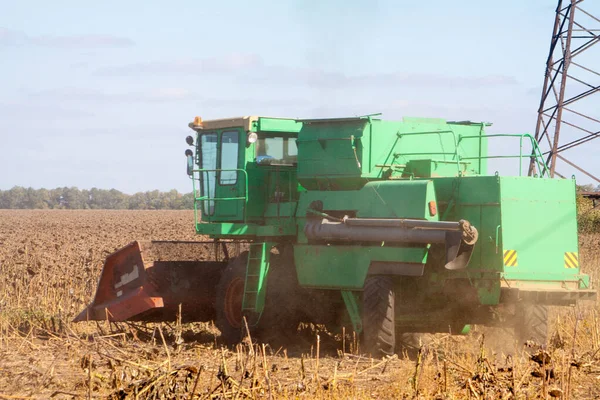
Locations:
385 227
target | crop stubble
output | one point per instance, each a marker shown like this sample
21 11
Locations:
50 261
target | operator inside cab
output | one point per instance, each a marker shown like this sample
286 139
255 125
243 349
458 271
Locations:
262 157
276 151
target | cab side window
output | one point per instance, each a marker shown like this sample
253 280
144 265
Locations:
229 157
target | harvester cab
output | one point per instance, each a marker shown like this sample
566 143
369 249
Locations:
245 164
382 226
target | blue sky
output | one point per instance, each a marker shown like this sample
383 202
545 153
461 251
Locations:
99 94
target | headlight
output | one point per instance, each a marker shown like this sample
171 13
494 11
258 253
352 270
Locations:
252 137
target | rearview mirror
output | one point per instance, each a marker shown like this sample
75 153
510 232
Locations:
190 161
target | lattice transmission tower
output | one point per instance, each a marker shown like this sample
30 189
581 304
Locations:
569 114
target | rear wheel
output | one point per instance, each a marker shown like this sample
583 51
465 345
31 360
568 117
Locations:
378 316
531 323
230 294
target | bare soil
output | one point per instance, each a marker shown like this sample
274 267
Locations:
50 262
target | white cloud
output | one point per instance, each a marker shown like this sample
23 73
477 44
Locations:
76 95
40 113
251 69
193 66
10 37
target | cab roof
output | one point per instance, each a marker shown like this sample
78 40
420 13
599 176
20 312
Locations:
249 124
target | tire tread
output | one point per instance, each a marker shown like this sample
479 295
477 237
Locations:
378 315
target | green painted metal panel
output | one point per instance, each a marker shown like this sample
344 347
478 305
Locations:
434 168
539 224
282 228
278 125
380 199
270 187
280 210
531 221
476 199
398 199
329 154
346 266
345 154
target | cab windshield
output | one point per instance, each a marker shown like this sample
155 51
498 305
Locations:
276 151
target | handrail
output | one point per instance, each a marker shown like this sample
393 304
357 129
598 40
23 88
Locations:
455 155
207 198
537 154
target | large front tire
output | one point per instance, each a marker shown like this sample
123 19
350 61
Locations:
230 294
378 316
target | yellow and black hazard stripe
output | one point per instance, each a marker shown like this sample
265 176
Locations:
571 259
510 258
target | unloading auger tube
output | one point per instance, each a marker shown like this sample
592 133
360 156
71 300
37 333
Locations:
459 237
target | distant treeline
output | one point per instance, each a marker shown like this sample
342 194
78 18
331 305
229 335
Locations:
72 198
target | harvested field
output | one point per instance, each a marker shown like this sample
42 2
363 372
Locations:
49 265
